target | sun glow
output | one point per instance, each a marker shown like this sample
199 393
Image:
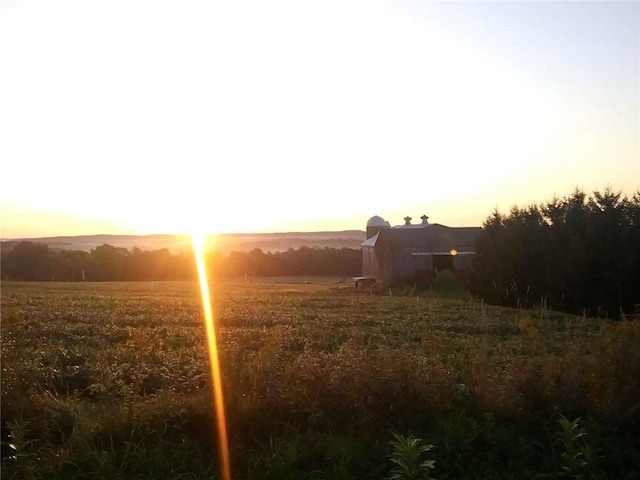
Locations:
199 243
260 95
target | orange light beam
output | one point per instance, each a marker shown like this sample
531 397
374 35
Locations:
198 242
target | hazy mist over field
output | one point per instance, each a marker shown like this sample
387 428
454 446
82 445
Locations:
224 243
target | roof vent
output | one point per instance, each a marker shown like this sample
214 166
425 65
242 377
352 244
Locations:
425 220
407 220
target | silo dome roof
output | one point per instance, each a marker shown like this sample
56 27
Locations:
377 221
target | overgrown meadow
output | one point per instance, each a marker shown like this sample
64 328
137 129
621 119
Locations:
111 380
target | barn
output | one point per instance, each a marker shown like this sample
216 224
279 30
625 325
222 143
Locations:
414 253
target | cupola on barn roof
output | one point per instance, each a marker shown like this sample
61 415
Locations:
377 221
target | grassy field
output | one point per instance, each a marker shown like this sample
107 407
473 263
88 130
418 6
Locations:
110 380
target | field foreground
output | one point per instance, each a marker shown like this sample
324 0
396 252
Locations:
110 380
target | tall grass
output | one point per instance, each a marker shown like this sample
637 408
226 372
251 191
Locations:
110 381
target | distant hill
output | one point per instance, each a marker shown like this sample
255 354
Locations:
225 243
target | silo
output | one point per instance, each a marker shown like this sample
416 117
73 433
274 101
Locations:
374 224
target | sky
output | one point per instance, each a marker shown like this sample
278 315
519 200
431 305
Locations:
140 117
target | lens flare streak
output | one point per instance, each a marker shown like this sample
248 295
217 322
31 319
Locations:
198 249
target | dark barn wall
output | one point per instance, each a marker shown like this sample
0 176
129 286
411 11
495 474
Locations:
424 270
369 268
400 267
385 266
403 265
463 267
462 262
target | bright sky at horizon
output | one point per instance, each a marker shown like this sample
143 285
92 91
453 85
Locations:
168 117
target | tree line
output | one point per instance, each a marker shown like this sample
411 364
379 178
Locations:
579 254
37 262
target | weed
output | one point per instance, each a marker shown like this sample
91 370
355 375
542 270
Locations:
407 455
578 458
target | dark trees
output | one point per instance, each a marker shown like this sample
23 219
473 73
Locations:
576 254
301 261
109 263
31 261
27 261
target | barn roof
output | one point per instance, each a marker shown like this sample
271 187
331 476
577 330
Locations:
432 235
370 242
